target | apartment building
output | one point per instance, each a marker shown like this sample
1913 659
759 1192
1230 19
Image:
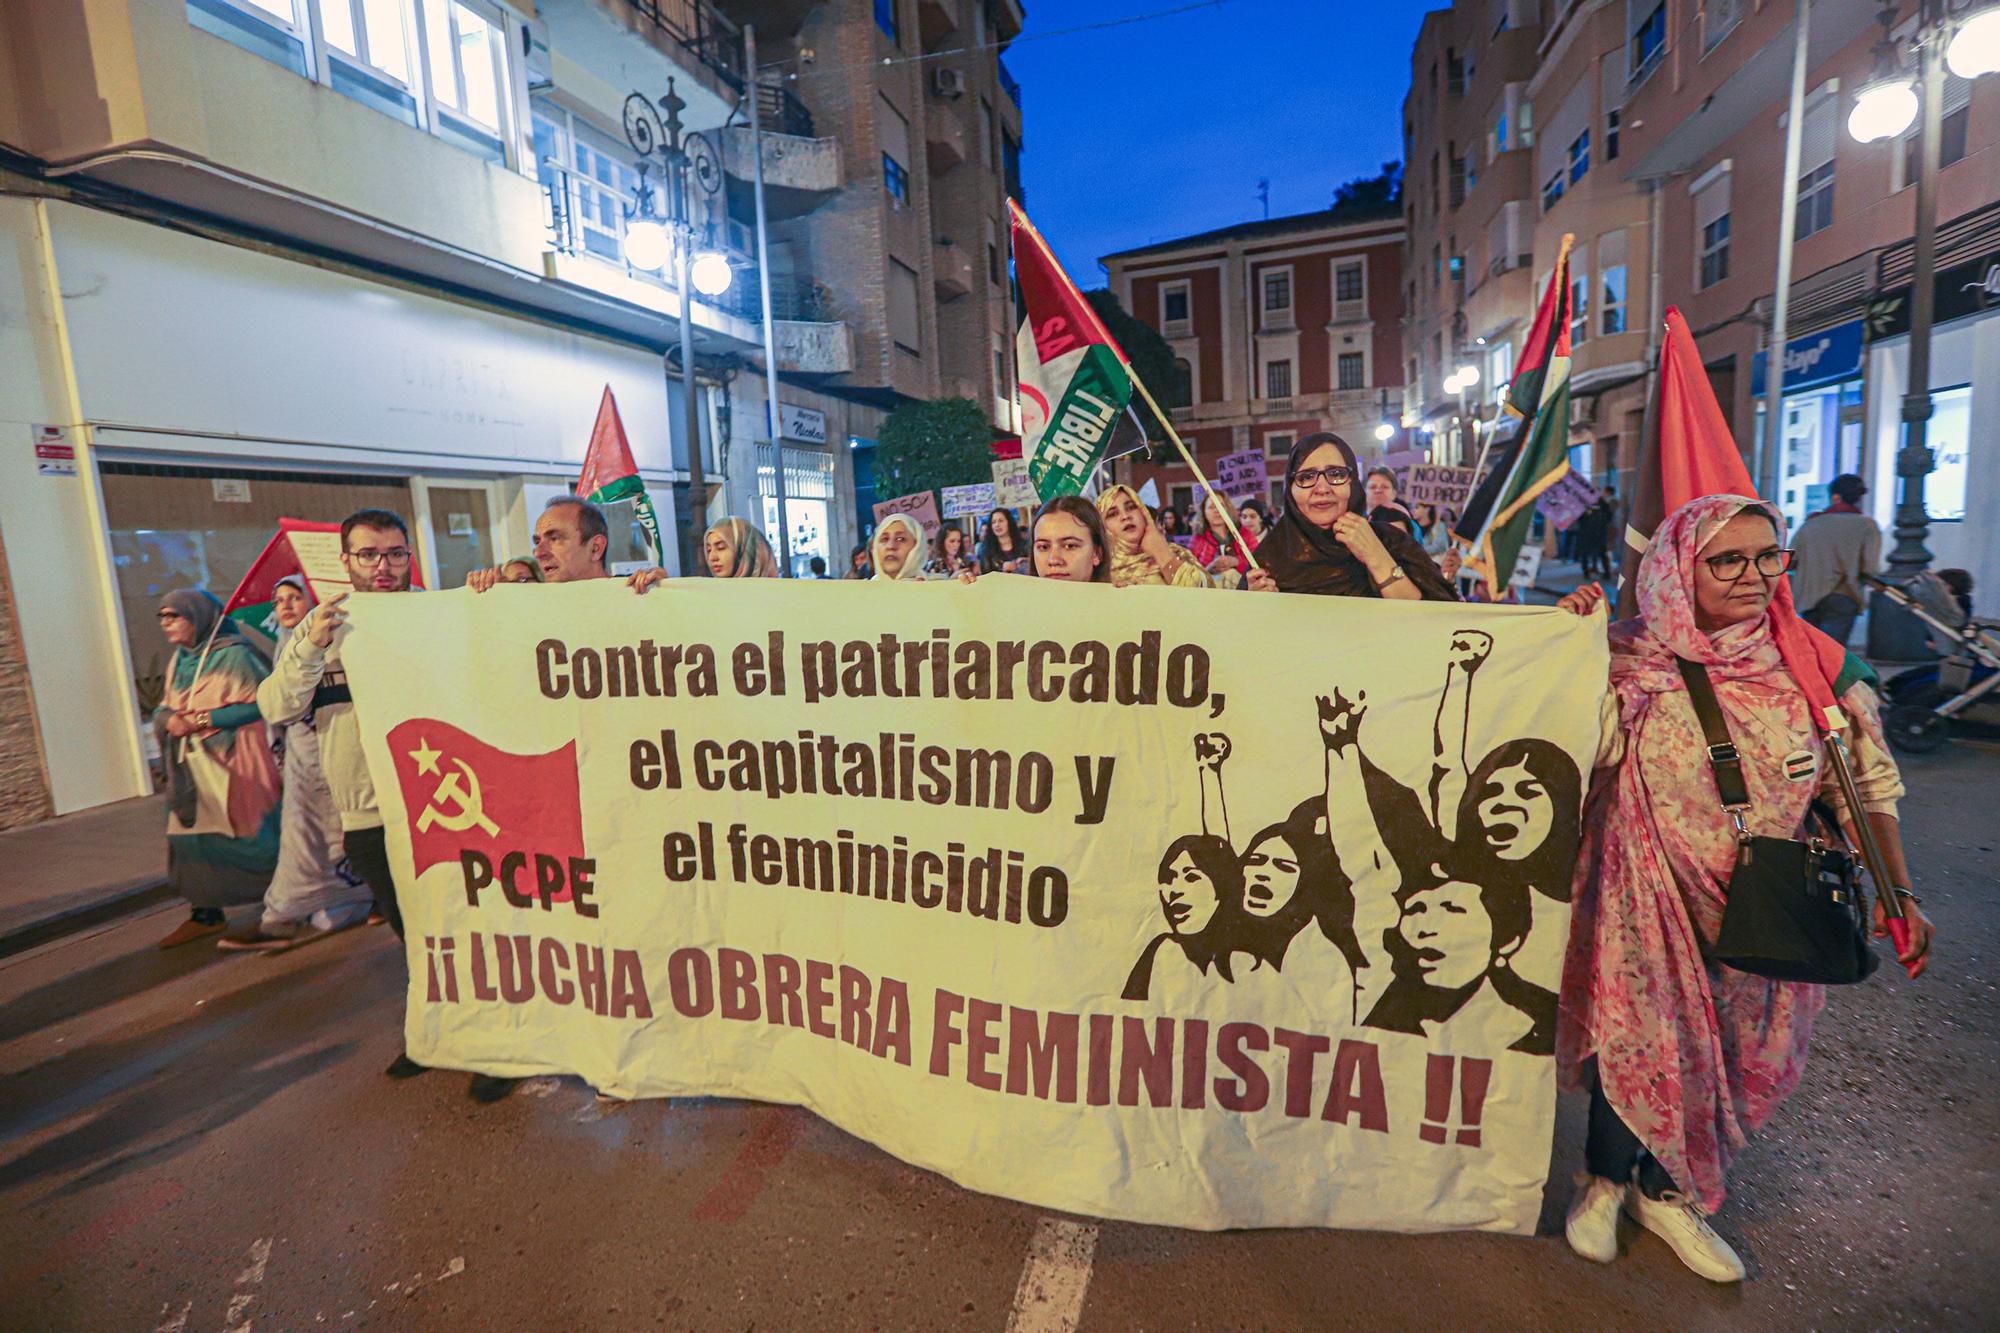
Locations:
1279 327
293 257
1706 110
1469 189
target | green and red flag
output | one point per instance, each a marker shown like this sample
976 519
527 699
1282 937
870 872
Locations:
1496 519
1074 379
300 546
1690 452
610 475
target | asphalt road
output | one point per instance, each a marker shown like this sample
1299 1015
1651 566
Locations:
206 1142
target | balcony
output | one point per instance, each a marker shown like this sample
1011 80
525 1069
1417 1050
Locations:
813 348
800 173
953 271
944 141
699 30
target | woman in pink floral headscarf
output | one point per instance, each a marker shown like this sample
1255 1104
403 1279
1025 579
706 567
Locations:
1684 1059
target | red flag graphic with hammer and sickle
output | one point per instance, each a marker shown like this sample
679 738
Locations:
462 794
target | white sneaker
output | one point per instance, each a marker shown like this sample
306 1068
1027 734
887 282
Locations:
1675 1219
1592 1228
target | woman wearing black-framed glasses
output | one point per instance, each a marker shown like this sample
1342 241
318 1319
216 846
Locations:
1323 544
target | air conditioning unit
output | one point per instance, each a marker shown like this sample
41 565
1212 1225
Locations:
947 82
535 54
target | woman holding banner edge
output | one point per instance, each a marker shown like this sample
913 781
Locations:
1684 1058
1323 545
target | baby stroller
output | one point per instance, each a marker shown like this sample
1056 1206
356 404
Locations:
1924 700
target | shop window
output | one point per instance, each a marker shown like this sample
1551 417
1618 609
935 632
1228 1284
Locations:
1949 435
809 496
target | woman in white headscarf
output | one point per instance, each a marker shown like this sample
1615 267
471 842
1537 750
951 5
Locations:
897 549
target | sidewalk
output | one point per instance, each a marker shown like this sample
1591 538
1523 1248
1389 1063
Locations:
96 862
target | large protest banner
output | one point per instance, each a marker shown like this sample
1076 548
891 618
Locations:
1210 912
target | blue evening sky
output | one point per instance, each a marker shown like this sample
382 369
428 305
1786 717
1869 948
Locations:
1151 130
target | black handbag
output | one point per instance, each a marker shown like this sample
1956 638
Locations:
1795 908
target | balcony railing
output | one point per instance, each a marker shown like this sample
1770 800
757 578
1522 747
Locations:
713 39
781 112
1008 84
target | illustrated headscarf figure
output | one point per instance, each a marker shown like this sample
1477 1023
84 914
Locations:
750 553
1304 558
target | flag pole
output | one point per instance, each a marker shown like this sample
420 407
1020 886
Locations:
1020 216
1228 519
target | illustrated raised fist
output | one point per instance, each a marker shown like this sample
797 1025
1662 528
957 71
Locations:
1340 719
1470 647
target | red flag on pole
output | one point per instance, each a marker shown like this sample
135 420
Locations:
609 472
1689 454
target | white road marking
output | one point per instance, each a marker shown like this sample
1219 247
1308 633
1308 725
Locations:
176 1322
1055 1278
260 1255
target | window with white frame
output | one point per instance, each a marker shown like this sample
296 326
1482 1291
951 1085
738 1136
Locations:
1175 306
438 65
1646 26
1277 293
1278 444
1718 19
1956 112
1351 371
1711 225
590 181
1579 300
1579 157
1277 379
1350 290
1611 282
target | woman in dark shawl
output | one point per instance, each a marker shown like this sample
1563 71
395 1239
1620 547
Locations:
1323 544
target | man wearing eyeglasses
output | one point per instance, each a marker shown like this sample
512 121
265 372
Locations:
308 680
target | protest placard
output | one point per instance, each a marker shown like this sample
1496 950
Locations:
922 506
1563 503
1012 488
976 501
902 856
1431 484
1241 476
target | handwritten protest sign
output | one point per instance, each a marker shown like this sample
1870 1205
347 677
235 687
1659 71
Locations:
1012 488
1241 475
901 855
964 501
1431 484
1565 501
921 506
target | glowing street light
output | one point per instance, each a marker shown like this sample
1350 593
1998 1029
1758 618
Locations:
1883 110
1975 47
648 244
1385 432
710 273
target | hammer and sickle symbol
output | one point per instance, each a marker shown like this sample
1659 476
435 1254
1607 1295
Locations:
466 800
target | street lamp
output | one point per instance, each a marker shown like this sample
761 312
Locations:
691 165
1947 32
1385 432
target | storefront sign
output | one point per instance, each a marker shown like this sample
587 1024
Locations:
230 490
969 501
804 424
1826 357
55 454
1241 476
1011 487
897 857
922 507
1961 290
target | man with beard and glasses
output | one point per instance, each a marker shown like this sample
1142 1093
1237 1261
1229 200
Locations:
308 678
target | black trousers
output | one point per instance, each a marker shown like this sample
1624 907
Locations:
368 853
1613 1151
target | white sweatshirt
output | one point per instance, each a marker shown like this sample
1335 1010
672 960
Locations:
306 678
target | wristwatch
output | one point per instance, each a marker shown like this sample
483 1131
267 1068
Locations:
1395 574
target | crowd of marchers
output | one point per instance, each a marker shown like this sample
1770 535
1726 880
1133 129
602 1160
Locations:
1682 1057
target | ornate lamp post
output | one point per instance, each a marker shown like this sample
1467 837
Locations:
1950 33
690 164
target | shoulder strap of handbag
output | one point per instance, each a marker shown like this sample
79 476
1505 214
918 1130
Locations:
1722 754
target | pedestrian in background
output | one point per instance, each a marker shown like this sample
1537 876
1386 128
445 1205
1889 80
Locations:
1002 550
520 570
223 816
1254 517
313 890
816 567
1216 548
1837 549
1684 1058
1380 488
857 564
948 554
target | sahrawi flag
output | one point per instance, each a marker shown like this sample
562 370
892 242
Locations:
609 474
1074 378
1496 518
